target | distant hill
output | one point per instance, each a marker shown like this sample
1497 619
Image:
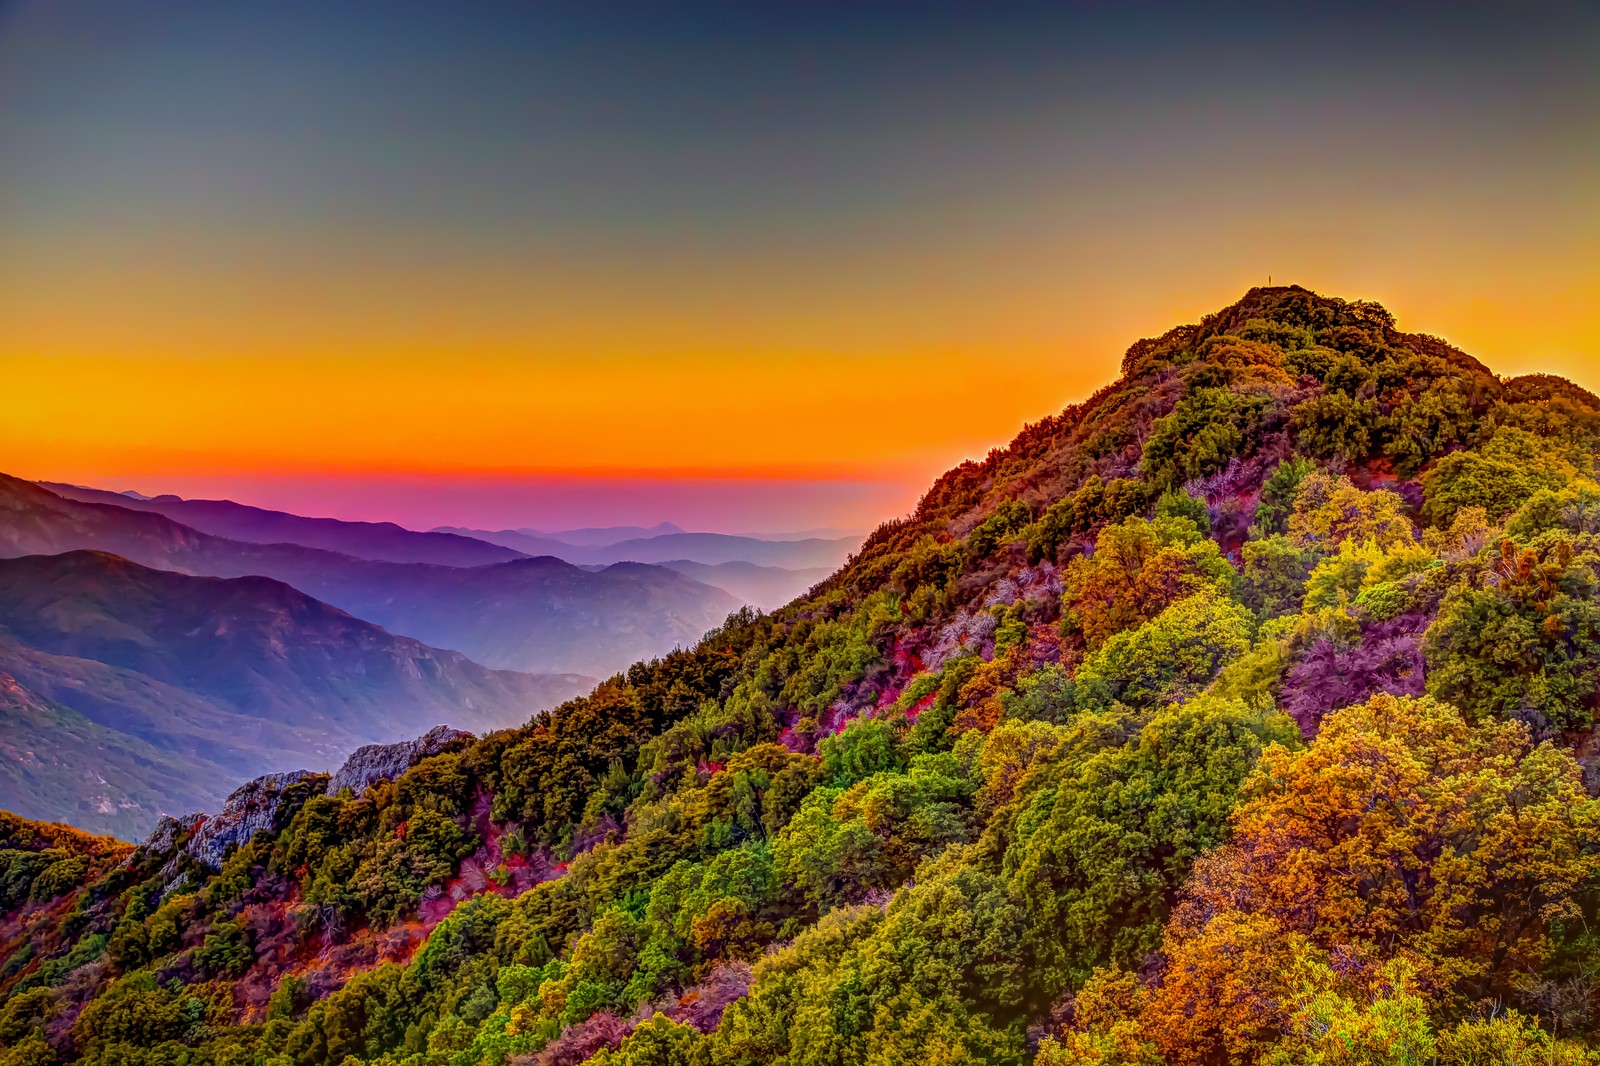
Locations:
550 543
523 542
538 615
600 536
766 587
822 533
717 548
127 691
543 614
383 541
711 549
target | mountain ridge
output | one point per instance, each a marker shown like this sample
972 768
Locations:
707 549
537 615
378 541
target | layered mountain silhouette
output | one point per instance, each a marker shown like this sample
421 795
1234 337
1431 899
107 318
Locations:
764 571
600 536
766 587
382 541
541 615
128 691
710 549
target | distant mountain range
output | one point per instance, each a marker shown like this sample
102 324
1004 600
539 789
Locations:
127 691
154 650
381 541
766 587
762 569
540 615
600 536
711 549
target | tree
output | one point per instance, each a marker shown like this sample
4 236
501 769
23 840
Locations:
1499 477
1574 508
1329 510
1335 1022
1201 433
1275 572
1278 492
1101 838
1107 1026
1176 503
844 842
1509 1040
1526 645
1169 657
1405 829
1138 568
657 1042
1225 992
226 951
1335 425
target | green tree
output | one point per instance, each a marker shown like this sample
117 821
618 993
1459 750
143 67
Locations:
1173 655
1099 841
1499 477
1329 510
1275 572
1527 644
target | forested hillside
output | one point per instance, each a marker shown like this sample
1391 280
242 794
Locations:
1242 713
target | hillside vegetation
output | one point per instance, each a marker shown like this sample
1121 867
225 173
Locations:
1239 714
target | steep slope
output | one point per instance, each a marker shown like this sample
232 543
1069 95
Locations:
381 541
1239 714
536 615
134 691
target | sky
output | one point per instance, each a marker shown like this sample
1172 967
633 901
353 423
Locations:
742 266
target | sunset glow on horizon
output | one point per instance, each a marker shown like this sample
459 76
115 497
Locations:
772 269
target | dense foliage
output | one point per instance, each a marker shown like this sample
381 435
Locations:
1241 714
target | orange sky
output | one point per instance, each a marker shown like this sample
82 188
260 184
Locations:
125 394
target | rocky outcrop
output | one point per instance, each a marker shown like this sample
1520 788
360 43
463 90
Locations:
167 831
245 813
381 762
253 807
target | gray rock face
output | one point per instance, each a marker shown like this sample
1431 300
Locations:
167 832
252 807
244 814
381 762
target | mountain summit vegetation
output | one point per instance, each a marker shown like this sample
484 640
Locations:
1240 714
